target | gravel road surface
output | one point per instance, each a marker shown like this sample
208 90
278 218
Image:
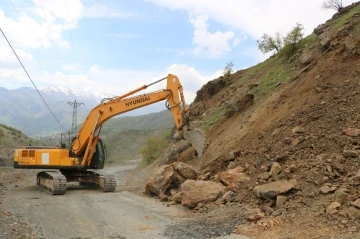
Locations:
89 213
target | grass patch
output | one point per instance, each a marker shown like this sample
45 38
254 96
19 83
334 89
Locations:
307 41
343 19
214 117
278 72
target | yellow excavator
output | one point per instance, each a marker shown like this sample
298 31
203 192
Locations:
81 163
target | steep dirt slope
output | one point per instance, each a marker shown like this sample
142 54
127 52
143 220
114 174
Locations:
291 124
303 114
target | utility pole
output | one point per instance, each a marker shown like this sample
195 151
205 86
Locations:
74 118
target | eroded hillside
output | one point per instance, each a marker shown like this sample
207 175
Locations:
283 138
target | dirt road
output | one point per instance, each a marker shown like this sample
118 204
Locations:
88 213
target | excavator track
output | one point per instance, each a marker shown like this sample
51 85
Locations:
109 183
52 182
92 178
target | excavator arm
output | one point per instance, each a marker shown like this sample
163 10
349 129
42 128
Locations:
85 143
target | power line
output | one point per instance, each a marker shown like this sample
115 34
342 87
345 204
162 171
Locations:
31 79
18 15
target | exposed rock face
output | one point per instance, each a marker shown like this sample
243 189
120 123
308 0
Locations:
271 190
160 181
184 170
194 192
233 177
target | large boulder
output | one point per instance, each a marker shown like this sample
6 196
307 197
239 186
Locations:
160 180
172 154
233 177
271 190
195 192
185 170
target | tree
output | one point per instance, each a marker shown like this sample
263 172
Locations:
333 4
152 148
293 37
269 43
228 69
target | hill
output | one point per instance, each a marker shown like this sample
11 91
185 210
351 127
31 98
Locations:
287 121
10 139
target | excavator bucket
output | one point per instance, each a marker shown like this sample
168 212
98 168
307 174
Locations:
197 138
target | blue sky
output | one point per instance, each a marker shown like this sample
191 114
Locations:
112 47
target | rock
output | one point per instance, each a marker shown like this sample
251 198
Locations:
233 177
197 139
232 165
298 130
332 208
195 192
264 176
292 168
341 195
356 203
352 132
357 178
325 189
255 215
318 89
277 212
231 157
282 157
275 169
251 86
204 177
352 229
159 181
171 155
184 170
320 29
338 165
271 190
306 58
351 153
176 197
227 197
280 200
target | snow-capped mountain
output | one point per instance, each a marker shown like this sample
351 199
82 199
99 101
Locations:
61 92
24 109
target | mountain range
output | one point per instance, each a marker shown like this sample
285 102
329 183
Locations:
24 109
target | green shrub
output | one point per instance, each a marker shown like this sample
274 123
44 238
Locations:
154 146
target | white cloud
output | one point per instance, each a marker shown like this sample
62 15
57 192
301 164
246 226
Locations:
117 82
9 60
256 17
191 79
94 69
105 11
216 43
69 11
